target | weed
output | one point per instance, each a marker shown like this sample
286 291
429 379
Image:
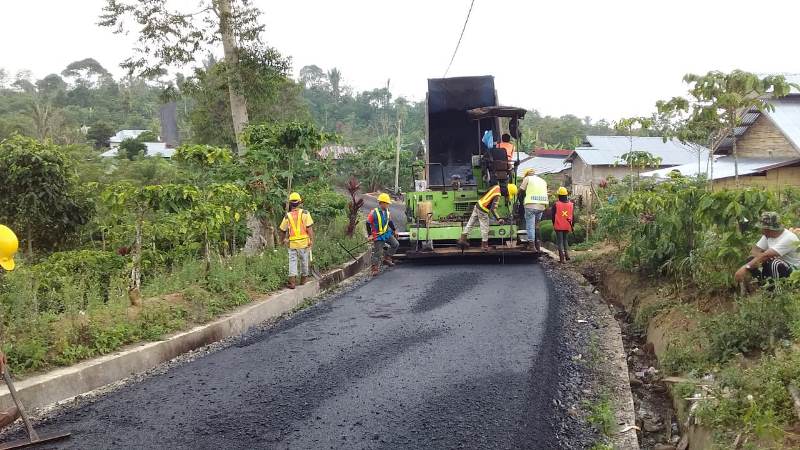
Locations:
601 415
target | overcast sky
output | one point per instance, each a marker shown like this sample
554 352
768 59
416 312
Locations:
605 59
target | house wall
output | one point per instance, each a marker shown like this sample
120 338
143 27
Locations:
763 137
775 179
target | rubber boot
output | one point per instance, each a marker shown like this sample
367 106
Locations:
561 256
292 283
388 261
566 254
463 242
484 246
376 270
303 280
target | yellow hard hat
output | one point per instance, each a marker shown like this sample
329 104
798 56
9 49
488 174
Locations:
529 171
8 248
562 191
512 190
295 197
384 198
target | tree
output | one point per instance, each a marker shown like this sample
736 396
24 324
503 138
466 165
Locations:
271 95
131 149
39 196
86 73
100 133
719 100
636 159
172 37
278 154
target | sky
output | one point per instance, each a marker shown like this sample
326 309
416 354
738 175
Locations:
605 59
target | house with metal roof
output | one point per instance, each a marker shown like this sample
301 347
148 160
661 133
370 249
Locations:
768 149
601 157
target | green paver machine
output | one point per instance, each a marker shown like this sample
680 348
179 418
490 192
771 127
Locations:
458 172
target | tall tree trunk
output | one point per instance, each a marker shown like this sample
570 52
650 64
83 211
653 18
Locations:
29 241
134 290
238 101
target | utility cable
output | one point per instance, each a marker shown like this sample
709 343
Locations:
458 44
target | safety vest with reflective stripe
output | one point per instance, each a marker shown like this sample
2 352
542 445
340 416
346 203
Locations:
536 191
382 226
297 226
488 197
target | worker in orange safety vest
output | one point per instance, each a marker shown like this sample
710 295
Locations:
298 234
563 219
480 213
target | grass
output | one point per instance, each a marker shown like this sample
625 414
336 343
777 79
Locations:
601 415
52 320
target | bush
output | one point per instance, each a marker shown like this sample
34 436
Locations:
755 324
546 231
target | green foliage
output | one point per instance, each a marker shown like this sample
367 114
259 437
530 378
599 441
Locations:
675 227
39 193
99 134
601 415
546 231
132 149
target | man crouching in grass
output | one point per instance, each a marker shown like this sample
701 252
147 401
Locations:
774 256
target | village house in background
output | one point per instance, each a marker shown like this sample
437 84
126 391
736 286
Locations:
768 146
600 157
153 148
551 162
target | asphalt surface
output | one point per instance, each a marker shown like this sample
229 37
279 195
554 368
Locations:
423 356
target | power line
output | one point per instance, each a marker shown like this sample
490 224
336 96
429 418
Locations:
459 38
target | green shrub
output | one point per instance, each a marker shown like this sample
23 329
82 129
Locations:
546 231
755 324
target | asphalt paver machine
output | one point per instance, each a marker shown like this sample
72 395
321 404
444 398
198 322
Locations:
459 170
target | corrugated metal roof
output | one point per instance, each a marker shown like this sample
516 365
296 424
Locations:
543 165
786 117
153 149
607 150
724 167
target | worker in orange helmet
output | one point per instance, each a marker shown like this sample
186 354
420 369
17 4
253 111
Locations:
9 244
381 230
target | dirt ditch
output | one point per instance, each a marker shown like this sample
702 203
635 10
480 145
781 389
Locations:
655 416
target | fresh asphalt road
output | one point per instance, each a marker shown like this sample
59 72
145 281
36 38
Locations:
423 356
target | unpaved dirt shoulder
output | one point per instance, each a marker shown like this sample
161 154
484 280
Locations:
592 368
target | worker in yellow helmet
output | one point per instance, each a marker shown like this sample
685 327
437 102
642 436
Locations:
381 230
480 213
9 244
298 233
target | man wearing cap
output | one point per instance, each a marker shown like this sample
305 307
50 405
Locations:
775 255
380 230
297 232
533 194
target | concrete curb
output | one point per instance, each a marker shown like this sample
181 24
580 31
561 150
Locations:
61 384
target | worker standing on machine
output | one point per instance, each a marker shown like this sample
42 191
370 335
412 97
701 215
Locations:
9 244
381 231
505 144
533 194
298 234
480 213
563 219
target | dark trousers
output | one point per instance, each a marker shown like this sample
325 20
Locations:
561 240
775 268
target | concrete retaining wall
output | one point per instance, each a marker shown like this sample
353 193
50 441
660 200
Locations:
62 384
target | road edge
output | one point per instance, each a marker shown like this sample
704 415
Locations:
68 382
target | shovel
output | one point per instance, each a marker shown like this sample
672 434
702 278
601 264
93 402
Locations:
33 437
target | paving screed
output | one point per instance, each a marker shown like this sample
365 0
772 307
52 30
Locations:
423 356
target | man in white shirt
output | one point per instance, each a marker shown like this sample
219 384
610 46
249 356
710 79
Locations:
775 255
